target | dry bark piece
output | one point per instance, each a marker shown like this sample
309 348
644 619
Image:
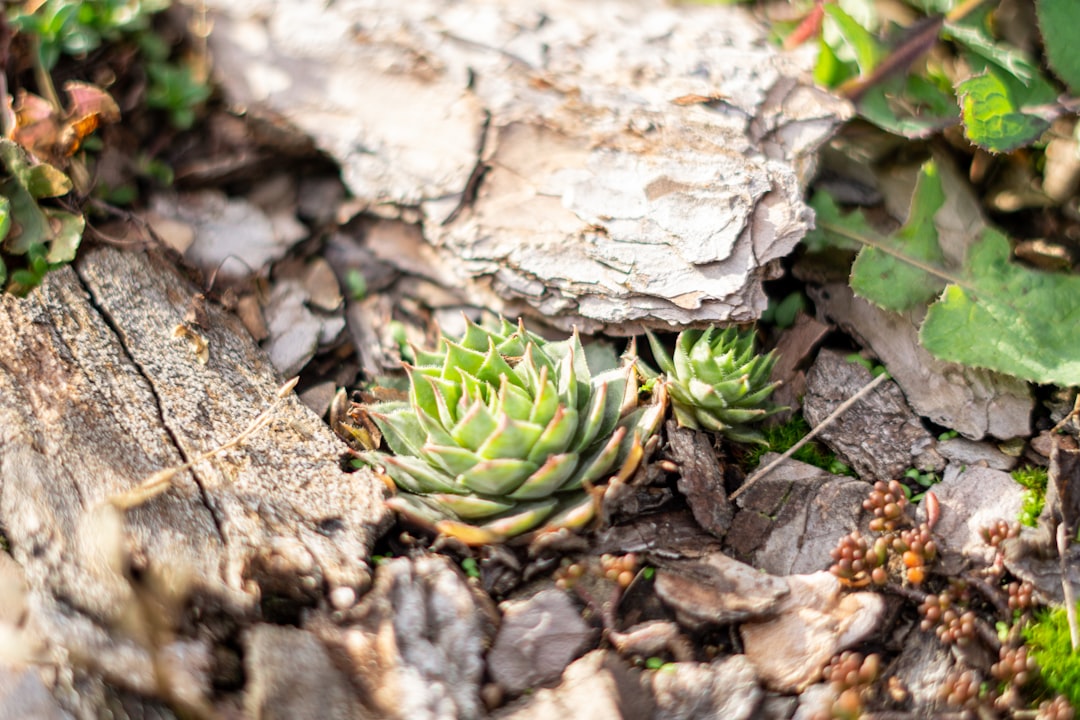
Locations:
717 590
537 639
556 152
95 396
673 535
794 349
791 518
878 436
599 685
701 478
814 622
973 401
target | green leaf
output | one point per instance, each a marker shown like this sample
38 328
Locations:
5 219
67 231
973 32
886 274
998 112
912 107
1058 20
863 45
1008 318
45 181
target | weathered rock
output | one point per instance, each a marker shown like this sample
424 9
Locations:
921 669
24 696
815 702
290 676
817 620
599 685
879 436
537 639
415 642
794 349
231 236
672 535
725 689
961 451
790 519
718 590
973 401
620 166
701 479
971 499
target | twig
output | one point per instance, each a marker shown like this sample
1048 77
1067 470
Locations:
161 481
865 390
1066 586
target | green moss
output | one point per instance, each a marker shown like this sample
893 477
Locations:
780 438
1059 666
1034 481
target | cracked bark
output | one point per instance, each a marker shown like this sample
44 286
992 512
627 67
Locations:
96 395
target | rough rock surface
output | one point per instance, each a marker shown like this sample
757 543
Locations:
599 685
609 164
537 639
790 519
817 620
879 436
717 590
725 689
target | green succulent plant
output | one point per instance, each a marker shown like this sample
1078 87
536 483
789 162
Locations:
717 382
504 433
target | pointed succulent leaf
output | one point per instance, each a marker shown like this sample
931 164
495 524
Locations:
475 427
494 369
592 418
514 401
548 478
412 474
451 459
471 507
660 354
573 514
545 400
597 464
557 436
511 439
525 517
400 428
499 476
460 358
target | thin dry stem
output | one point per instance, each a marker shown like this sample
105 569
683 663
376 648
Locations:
161 481
1066 586
863 391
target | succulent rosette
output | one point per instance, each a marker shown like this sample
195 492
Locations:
505 433
717 381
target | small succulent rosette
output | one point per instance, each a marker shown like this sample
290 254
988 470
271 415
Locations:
716 381
504 433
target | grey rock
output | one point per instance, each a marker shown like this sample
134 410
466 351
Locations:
921 668
879 436
290 676
790 519
961 451
23 696
599 685
416 641
725 689
971 499
717 590
815 702
538 638
817 620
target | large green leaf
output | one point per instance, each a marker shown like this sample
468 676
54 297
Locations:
1009 318
1058 21
891 273
1000 113
993 313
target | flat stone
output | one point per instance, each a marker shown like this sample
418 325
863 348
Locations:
537 639
23 696
725 689
718 590
599 685
962 451
790 519
815 621
971 499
